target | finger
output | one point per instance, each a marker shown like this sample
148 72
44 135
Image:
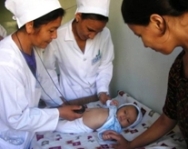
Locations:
102 101
114 137
77 116
108 132
76 107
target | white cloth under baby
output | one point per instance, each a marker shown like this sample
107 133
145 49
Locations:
76 126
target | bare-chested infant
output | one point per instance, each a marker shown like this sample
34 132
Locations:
113 117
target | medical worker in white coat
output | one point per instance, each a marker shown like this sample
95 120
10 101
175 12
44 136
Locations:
20 67
83 52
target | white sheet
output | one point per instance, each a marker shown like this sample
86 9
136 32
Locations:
56 140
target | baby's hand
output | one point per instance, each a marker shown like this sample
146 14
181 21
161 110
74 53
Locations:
103 97
114 102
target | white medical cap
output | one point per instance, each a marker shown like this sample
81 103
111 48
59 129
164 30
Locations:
139 117
100 7
25 11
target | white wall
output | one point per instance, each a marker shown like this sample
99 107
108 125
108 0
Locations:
6 19
70 8
141 72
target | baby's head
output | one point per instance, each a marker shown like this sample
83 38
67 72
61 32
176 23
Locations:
129 115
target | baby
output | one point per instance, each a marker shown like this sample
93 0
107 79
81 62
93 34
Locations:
101 119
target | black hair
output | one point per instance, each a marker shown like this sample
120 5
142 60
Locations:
94 17
139 11
60 12
49 17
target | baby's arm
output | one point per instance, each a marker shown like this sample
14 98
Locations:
112 102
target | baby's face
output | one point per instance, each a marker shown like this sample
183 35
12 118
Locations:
127 115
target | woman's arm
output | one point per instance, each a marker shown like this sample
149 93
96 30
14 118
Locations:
161 126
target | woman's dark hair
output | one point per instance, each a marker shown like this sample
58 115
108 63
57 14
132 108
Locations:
94 17
60 12
139 11
49 17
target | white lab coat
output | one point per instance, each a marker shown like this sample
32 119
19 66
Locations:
19 98
81 74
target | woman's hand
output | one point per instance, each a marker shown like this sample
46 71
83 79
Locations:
103 97
67 112
122 143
